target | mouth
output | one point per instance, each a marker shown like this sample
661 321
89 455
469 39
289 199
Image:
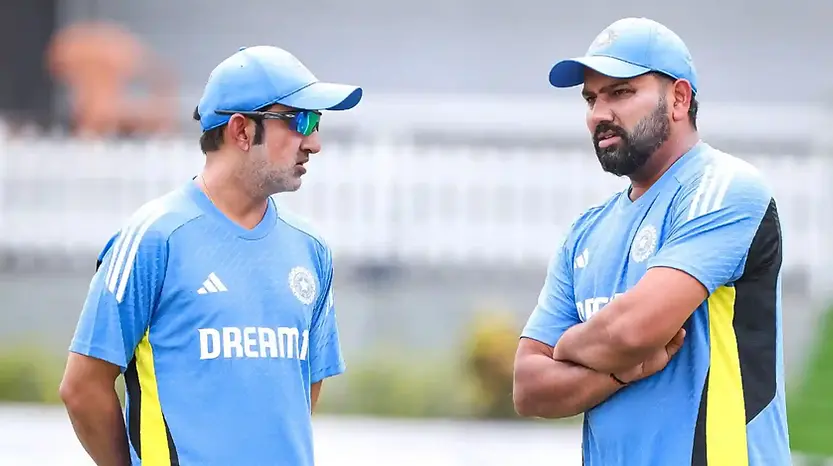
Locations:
300 166
607 139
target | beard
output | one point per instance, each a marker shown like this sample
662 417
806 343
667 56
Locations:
635 148
263 177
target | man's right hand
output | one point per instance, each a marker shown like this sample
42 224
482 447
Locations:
656 362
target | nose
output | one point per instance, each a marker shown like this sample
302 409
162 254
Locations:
598 113
311 144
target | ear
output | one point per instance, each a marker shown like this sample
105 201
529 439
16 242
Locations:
239 132
681 96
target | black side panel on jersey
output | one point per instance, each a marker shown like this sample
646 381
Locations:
698 454
755 326
756 317
134 415
134 429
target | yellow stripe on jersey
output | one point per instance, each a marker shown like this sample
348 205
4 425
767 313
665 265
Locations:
153 435
725 412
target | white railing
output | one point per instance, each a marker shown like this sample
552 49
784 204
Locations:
376 201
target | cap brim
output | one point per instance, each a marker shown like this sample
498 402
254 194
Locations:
324 96
569 73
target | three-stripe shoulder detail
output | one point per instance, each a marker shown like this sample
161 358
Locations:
126 248
711 190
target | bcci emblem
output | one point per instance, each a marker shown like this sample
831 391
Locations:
644 244
607 37
302 284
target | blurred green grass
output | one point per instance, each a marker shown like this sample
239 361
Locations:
28 373
385 383
810 405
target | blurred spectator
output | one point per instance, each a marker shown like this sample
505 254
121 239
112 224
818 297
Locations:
98 62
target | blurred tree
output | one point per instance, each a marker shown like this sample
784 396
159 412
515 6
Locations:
489 359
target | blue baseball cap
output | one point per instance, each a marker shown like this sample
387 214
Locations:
628 48
260 76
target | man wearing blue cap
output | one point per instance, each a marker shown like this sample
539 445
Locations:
215 304
660 317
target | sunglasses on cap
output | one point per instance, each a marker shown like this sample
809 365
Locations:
303 121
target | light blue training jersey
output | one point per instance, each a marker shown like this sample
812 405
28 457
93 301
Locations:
219 331
720 401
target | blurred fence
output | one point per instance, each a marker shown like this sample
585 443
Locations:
379 202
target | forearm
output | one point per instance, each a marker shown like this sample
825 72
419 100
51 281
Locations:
556 389
314 392
99 425
600 347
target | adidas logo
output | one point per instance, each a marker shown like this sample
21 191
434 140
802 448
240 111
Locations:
212 285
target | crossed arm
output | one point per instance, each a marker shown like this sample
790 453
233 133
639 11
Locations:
627 330
708 238
574 375
547 388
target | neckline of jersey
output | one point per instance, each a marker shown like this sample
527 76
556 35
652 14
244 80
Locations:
657 187
261 230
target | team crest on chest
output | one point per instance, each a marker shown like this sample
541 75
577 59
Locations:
302 284
644 243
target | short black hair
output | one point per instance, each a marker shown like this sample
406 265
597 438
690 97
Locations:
211 140
693 105
692 111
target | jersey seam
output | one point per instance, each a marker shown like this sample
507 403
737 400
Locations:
327 272
171 233
306 233
332 369
167 261
580 223
97 351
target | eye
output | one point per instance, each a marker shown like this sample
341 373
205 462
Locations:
590 100
623 92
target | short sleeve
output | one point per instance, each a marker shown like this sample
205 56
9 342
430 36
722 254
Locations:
556 309
713 224
122 296
325 355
